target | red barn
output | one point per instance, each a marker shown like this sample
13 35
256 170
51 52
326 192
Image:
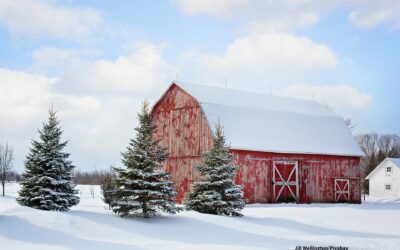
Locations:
287 149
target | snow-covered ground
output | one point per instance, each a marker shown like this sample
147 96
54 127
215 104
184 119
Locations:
372 225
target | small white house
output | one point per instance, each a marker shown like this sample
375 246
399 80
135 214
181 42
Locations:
384 180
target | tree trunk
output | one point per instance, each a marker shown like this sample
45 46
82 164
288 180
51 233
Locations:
144 208
3 184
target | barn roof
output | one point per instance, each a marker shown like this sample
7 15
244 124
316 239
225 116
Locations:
259 122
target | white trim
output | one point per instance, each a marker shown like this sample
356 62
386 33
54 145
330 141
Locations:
345 191
376 168
285 182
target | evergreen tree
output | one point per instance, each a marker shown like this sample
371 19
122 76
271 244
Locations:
48 178
142 187
215 192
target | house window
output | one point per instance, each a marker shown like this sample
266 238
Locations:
388 169
388 187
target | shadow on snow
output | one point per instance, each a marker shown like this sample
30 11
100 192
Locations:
22 230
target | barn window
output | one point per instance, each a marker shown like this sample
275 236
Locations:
388 169
388 187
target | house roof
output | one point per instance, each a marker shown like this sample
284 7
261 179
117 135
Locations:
395 161
259 122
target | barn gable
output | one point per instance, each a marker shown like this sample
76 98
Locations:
181 127
274 124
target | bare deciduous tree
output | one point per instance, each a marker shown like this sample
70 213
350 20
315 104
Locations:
350 124
92 191
94 177
376 148
6 164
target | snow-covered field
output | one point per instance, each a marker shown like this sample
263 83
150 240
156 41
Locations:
372 225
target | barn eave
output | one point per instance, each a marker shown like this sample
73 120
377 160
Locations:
295 152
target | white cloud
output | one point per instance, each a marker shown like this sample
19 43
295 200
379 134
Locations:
340 96
96 101
141 70
259 54
38 18
222 8
261 15
369 14
22 95
97 128
52 59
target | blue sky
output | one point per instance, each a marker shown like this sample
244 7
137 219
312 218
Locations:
96 60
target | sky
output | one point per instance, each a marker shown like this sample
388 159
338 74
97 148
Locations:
97 60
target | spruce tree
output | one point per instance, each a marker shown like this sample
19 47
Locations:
48 178
215 192
142 187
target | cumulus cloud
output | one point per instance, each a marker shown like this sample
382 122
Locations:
369 14
261 15
97 128
41 18
22 95
96 101
222 8
56 60
340 96
143 69
257 52
273 55
24 101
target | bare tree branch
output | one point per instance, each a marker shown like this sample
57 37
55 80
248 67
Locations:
376 148
6 164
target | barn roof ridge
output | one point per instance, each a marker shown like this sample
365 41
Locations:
210 94
257 108
242 90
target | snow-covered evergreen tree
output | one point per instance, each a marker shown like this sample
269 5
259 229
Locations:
215 192
49 175
142 187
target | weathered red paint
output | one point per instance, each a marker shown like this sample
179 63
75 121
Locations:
316 175
183 129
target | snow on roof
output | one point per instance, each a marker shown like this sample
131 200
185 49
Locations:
395 161
259 122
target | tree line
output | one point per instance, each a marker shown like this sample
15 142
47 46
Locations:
94 177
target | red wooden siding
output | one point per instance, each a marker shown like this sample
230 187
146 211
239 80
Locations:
316 175
183 129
